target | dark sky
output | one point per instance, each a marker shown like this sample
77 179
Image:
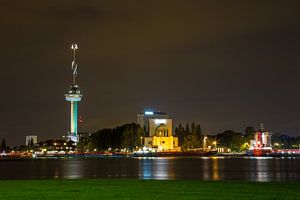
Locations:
224 64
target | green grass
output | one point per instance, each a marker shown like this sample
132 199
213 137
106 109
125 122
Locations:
146 189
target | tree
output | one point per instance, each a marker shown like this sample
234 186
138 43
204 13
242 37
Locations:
231 139
199 132
85 144
249 132
190 142
131 136
31 142
126 136
296 143
280 141
180 133
193 129
3 145
237 142
187 129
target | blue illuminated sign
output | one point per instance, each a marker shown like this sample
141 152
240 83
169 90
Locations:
148 113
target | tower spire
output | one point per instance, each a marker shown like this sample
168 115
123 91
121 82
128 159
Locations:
74 47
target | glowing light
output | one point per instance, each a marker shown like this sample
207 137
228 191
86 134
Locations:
74 46
148 113
160 121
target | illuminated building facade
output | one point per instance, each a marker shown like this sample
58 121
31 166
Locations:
73 96
159 131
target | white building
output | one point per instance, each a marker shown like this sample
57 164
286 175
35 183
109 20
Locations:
159 131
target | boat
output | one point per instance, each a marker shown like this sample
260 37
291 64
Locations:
285 153
188 153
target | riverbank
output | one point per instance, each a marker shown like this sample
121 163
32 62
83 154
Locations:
146 189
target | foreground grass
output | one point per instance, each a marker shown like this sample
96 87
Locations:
146 189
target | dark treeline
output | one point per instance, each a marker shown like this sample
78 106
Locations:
280 141
189 137
3 146
235 141
127 136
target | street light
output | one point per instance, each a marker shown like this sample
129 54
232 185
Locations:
215 144
160 141
141 141
204 142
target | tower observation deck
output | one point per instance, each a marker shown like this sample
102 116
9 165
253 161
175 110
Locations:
73 95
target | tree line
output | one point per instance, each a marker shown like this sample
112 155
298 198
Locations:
127 136
189 137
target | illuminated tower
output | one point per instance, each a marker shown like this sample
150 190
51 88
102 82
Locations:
73 96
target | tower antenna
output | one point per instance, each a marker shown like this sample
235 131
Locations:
74 47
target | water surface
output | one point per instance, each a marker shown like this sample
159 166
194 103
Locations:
202 168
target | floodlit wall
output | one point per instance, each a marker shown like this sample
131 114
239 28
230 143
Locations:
160 127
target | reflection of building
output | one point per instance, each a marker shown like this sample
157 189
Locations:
30 138
158 128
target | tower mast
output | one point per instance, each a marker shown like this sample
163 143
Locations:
74 47
73 96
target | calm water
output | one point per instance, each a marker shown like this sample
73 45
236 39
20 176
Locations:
202 168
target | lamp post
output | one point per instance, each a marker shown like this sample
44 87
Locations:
215 144
160 140
204 143
141 141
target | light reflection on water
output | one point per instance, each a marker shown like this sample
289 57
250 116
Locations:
202 168
262 169
215 169
72 170
156 168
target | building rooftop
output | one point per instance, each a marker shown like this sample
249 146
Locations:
153 113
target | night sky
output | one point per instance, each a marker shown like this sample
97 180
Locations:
223 64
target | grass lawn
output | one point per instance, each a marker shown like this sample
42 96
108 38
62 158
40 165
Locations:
146 189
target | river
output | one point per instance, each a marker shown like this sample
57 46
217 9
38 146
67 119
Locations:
201 168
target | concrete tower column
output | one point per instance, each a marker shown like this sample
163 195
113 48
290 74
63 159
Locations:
74 117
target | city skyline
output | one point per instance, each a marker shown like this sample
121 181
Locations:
226 66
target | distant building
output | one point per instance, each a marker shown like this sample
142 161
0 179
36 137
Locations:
29 138
57 145
143 118
159 130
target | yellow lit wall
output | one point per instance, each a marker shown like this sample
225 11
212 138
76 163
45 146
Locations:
162 143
